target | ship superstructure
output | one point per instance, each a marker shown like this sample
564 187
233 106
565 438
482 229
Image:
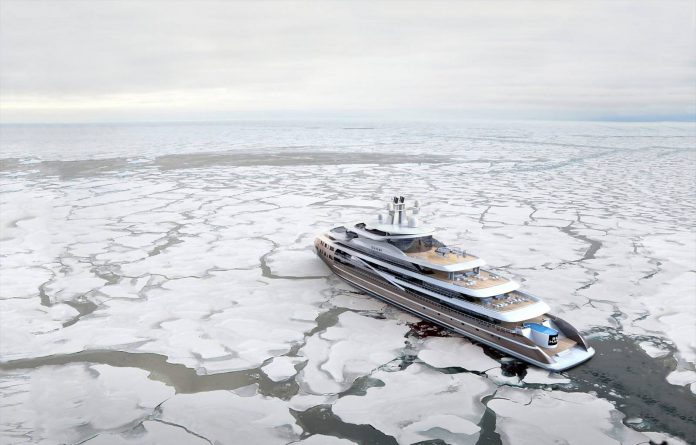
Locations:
399 261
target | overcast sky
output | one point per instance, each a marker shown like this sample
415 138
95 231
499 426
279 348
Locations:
66 61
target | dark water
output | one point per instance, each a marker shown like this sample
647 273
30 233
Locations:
184 380
488 435
67 170
321 420
620 367
620 372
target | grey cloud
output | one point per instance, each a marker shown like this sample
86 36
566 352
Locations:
536 59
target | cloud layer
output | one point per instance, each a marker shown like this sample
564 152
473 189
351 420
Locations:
68 61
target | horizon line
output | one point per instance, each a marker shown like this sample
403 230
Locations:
608 119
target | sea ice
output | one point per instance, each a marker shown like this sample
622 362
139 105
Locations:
62 312
281 368
353 347
210 263
319 439
150 432
302 401
572 418
22 282
682 377
444 352
296 263
226 417
659 438
419 403
541 376
653 350
65 404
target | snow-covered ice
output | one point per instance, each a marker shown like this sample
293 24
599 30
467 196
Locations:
536 416
418 403
353 347
319 439
227 418
194 243
445 352
150 433
71 403
683 377
281 368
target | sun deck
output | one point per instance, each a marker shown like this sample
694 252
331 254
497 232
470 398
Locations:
564 343
482 280
445 258
509 302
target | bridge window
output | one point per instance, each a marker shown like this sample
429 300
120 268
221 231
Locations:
416 245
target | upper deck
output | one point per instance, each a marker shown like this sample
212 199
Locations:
420 249
448 257
475 281
511 301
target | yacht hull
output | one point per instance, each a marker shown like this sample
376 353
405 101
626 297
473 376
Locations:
575 352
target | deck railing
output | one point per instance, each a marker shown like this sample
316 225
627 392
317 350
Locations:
459 313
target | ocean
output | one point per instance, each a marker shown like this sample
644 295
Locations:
158 283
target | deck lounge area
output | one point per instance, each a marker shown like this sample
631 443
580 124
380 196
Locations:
470 279
508 302
438 255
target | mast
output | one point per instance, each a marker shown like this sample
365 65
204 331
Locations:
399 214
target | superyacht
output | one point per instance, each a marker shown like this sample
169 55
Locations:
399 261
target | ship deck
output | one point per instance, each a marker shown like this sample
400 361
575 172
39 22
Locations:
483 280
510 302
564 343
446 259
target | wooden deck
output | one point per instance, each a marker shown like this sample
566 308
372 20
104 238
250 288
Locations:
483 280
508 303
444 260
564 344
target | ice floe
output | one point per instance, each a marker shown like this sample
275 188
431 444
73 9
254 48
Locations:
355 346
419 403
528 416
150 432
445 352
69 403
228 417
541 376
653 349
297 263
281 368
319 439
683 377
